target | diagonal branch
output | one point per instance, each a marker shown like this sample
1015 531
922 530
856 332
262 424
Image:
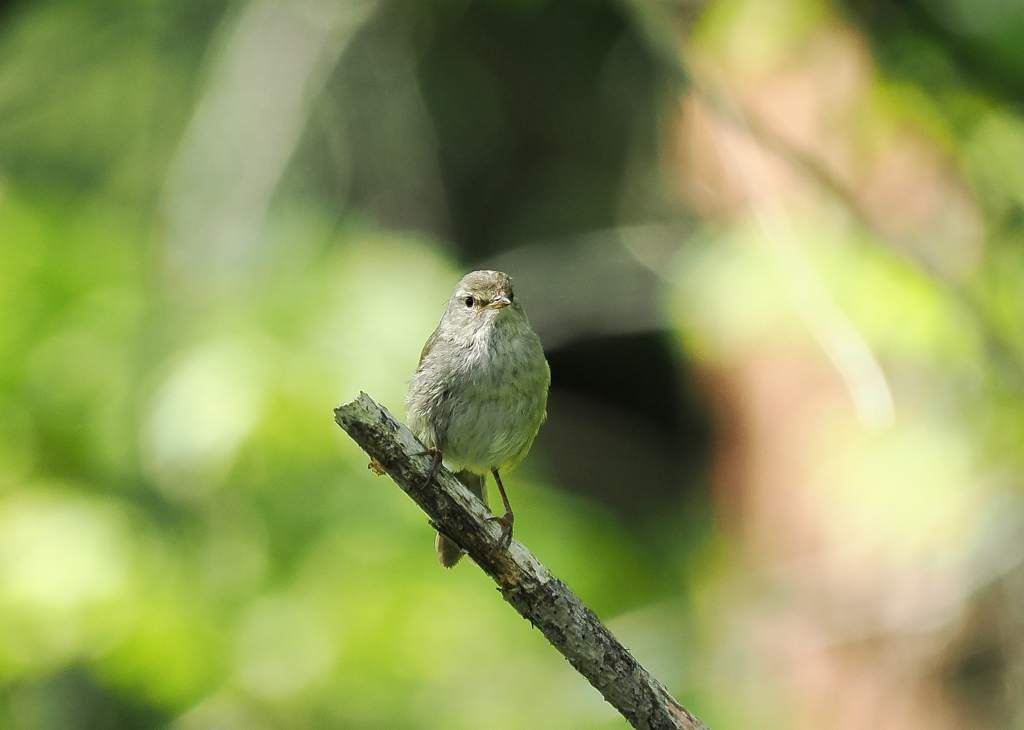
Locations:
533 591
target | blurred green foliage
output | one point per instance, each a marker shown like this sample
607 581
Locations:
187 540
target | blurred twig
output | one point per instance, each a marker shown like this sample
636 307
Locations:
533 591
1003 353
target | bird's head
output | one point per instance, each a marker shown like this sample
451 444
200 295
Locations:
481 298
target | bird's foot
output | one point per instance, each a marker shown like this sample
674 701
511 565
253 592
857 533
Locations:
435 464
505 538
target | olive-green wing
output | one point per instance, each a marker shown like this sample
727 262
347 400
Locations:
429 344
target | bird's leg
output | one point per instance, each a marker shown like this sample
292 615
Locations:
506 520
435 464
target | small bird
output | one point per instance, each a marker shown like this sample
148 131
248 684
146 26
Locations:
480 392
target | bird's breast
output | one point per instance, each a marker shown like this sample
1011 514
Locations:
497 402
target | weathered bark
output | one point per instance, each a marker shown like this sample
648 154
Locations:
525 583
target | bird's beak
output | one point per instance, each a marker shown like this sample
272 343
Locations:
499 302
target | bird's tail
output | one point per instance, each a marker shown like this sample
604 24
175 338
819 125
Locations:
448 553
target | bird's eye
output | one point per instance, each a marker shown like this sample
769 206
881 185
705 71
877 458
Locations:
470 301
